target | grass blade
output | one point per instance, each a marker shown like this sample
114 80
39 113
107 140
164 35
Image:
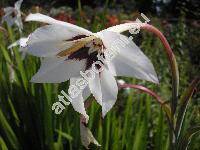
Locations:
10 135
184 103
185 140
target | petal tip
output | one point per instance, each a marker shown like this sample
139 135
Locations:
33 80
28 18
154 79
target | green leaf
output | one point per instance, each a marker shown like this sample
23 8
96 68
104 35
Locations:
185 140
12 108
10 135
6 54
21 69
175 82
159 132
184 103
2 144
65 135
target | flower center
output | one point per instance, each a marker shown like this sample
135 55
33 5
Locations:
84 49
89 52
95 45
83 53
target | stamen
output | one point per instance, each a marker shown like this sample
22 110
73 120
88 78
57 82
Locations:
78 44
72 49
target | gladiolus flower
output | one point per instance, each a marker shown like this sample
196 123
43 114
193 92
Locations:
67 50
13 15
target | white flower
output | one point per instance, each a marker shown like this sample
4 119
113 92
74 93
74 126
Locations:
68 49
22 43
13 15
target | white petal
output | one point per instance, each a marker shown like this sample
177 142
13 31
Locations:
8 10
8 19
78 105
18 22
49 40
46 19
86 93
109 90
130 60
95 88
123 27
18 4
21 42
57 70
78 102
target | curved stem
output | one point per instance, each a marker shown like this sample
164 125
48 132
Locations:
143 89
153 94
170 55
172 61
163 104
175 77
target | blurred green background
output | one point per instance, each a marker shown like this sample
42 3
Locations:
136 122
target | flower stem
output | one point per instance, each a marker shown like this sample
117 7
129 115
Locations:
172 61
174 73
144 89
163 104
175 77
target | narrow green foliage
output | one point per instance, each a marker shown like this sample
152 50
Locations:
2 144
185 140
7 130
184 103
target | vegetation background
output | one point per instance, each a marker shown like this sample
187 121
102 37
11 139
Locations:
136 122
